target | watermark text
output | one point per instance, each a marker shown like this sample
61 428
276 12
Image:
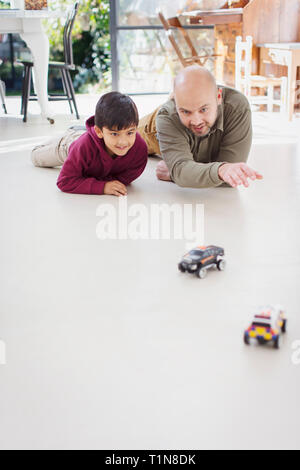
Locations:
153 222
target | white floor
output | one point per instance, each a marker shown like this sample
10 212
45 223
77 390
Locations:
107 345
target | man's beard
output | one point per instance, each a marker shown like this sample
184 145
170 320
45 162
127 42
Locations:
200 134
209 127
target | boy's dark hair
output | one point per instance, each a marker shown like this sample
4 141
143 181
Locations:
116 112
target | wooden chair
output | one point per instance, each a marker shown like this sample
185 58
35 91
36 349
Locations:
64 68
173 23
2 95
244 81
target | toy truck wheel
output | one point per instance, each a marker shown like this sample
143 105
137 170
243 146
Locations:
283 328
181 268
221 264
201 272
277 342
246 339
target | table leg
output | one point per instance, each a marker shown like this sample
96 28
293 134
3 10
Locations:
39 45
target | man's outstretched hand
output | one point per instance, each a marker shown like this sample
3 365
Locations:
236 174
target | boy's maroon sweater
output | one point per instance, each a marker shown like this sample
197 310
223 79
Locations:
88 165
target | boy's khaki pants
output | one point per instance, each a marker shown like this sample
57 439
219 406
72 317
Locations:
55 151
147 130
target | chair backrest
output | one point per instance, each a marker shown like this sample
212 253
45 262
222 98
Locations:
171 37
168 25
68 49
243 64
175 23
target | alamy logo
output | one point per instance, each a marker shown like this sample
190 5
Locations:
154 222
2 353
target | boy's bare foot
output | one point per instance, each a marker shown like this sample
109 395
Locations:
162 172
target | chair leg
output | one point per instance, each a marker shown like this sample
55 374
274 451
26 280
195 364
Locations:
22 96
69 80
66 89
2 93
24 88
283 95
270 98
27 93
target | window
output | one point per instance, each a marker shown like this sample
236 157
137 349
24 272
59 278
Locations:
143 60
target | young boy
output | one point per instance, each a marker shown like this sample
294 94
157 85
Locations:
109 155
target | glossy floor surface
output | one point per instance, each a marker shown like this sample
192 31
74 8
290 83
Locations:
107 345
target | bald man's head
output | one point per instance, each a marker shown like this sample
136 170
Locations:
195 76
197 98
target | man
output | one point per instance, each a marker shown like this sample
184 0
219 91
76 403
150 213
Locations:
203 133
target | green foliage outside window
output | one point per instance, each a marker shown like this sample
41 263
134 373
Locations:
4 4
91 42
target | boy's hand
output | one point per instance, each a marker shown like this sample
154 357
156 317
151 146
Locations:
115 188
235 174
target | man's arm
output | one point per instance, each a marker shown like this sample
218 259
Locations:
229 167
235 148
237 136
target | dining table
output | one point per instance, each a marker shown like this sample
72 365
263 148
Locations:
214 17
29 25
